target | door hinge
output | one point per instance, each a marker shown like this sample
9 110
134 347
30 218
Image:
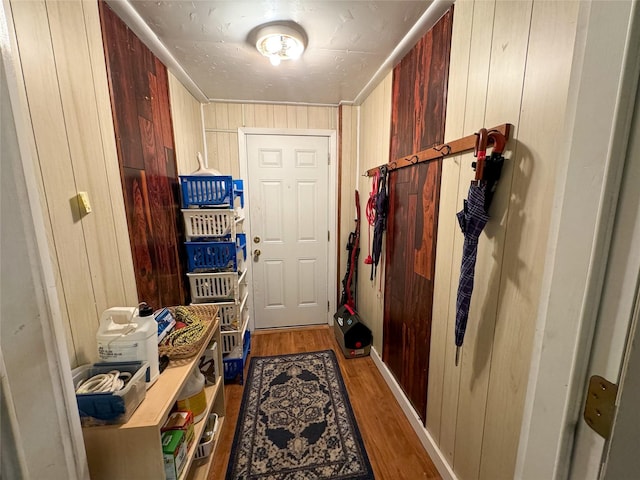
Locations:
328 307
328 159
328 235
600 406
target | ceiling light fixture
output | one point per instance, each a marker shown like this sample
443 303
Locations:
283 40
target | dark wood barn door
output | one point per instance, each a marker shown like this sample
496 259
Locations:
418 120
139 90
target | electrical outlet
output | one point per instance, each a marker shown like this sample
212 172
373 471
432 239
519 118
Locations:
83 201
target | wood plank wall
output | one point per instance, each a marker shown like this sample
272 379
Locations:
510 62
374 139
348 148
417 122
65 99
139 88
188 129
222 120
66 102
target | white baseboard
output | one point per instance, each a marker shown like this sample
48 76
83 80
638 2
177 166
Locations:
426 439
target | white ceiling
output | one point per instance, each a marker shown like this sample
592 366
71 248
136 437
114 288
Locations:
204 43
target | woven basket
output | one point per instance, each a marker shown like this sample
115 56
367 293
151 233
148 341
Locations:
206 313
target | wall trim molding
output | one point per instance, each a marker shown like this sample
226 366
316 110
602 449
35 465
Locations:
429 18
134 21
429 444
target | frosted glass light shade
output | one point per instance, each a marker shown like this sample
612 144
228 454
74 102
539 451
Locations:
280 42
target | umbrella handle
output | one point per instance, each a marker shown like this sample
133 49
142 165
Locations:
480 152
498 140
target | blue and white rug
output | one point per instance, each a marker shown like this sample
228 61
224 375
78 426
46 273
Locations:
296 423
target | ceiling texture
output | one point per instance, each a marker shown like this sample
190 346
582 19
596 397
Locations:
351 45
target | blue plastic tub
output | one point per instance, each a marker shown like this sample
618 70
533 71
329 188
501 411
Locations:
215 256
210 191
110 408
235 366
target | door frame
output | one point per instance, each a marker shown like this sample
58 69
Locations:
598 122
332 183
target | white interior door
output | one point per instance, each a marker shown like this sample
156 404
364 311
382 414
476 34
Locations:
288 192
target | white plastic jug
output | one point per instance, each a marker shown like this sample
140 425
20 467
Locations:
192 396
129 334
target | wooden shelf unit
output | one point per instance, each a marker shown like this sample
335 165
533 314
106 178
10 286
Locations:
200 468
134 449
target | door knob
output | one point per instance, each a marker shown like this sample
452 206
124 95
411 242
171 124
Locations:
256 253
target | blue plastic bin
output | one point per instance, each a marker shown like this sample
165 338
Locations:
210 190
238 191
235 366
110 408
215 256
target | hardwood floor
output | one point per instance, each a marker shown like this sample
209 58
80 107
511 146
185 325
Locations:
393 447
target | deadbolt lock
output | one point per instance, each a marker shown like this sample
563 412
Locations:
256 239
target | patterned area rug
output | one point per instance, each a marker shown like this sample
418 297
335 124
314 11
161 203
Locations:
296 423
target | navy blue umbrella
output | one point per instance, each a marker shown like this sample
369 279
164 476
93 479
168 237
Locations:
472 219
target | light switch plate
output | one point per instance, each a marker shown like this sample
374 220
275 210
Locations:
83 201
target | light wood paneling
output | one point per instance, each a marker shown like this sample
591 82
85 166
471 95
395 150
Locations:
43 94
186 115
540 137
222 120
475 106
374 135
447 223
103 103
496 76
22 95
347 186
65 87
475 102
504 90
74 73
392 446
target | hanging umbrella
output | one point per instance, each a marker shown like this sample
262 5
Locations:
380 225
472 219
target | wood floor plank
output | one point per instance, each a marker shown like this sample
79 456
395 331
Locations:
393 447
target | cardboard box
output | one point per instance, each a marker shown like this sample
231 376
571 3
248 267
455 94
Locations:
165 321
174 453
181 421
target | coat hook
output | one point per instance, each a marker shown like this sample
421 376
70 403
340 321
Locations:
440 149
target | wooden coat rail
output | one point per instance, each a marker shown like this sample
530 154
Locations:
455 147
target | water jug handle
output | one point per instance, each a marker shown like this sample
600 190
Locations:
119 315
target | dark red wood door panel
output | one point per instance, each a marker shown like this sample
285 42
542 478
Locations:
139 87
418 120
